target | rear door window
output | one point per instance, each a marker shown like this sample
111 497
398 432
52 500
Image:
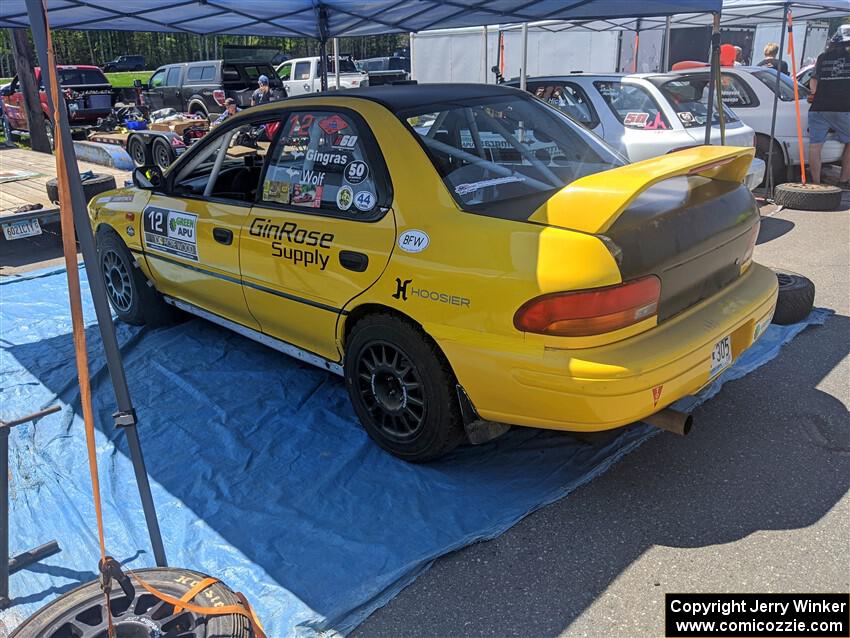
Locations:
567 97
632 105
173 77
327 162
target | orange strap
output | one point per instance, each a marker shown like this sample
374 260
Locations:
243 609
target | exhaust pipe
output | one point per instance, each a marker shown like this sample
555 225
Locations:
671 420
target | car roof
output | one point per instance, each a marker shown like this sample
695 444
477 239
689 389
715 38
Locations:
84 67
400 97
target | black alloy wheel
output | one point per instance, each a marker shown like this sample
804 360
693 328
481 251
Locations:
119 287
392 391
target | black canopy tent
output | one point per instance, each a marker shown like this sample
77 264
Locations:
321 21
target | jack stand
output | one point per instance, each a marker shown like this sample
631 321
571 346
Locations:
10 565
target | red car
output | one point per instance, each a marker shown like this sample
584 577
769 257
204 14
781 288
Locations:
88 96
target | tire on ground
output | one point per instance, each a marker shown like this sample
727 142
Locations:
61 617
440 427
143 305
162 153
796 298
808 196
91 187
138 151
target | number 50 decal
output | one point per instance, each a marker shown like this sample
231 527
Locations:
356 172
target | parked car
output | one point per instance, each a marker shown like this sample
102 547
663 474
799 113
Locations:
805 75
641 115
750 92
303 75
385 70
88 97
125 63
451 281
202 87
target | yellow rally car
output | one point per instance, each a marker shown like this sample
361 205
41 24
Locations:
462 254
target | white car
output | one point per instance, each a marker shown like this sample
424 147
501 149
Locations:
641 115
303 75
749 91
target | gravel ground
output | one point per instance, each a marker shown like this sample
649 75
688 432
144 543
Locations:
754 499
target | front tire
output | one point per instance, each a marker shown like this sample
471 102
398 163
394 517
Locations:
133 300
402 389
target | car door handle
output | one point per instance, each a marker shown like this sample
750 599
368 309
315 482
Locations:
223 236
358 262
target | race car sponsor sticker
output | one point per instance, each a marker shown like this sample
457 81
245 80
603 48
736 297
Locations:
356 172
300 125
307 195
686 117
296 244
113 199
276 191
761 326
332 124
365 201
471 187
327 159
413 241
344 197
345 141
170 231
636 119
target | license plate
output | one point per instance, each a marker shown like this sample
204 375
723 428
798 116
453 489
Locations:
23 228
721 356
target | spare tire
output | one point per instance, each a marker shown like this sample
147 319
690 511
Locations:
808 196
796 298
81 611
91 187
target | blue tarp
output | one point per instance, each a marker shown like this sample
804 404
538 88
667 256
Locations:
345 17
260 472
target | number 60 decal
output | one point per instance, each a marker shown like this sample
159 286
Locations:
356 172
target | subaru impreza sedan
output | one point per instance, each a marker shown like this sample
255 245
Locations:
461 254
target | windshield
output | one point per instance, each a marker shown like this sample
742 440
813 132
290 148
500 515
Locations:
79 77
786 85
345 66
689 98
506 155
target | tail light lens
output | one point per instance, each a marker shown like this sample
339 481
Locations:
218 96
590 312
176 142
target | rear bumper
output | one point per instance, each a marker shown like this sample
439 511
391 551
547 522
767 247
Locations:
755 174
609 386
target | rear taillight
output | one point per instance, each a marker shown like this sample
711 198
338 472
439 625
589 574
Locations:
218 96
590 312
176 142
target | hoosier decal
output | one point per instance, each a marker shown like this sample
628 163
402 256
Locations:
170 231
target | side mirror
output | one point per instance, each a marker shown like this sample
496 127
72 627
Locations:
494 69
148 177
137 83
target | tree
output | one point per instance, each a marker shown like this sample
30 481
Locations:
22 53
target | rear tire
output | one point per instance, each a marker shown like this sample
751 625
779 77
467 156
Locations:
402 389
796 298
162 154
81 611
808 196
130 295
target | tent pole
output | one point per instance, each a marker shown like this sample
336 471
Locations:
796 98
125 417
523 71
336 62
666 60
637 47
323 47
769 179
484 55
715 73
411 54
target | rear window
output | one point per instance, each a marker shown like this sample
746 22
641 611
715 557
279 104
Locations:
204 73
632 104
76 77
786 84
689 98
566 97
506 155
345 66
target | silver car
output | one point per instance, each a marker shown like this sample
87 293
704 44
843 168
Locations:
642 115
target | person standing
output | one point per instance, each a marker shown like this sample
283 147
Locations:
262 95
830 107
771 49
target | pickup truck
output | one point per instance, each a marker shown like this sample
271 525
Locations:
125 63
302 75
88 97
202 87
385 70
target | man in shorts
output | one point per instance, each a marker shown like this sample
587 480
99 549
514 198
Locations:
830 108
